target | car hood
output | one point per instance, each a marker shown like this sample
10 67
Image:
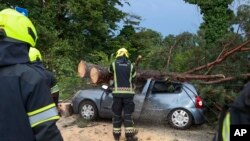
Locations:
89 93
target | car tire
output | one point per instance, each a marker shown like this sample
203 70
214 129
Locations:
180 119
88 110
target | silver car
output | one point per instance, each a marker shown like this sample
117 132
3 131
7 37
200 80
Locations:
177 103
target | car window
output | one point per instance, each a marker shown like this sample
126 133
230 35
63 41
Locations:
166 87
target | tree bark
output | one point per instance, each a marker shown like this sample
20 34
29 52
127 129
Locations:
99 75
225 79
65 109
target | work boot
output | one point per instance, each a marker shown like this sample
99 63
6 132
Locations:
132 138
117 139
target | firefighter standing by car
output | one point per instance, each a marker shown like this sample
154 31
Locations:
27 110
237 114
123 94
36 61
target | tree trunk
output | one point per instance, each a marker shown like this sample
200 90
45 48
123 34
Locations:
84 68
65 109
99 75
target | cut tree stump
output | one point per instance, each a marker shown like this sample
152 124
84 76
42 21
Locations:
99 75
84 68
65 109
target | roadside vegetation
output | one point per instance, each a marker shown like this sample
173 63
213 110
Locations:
71 30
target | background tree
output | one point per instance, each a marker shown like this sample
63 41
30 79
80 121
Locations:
70 30
243 18
217 18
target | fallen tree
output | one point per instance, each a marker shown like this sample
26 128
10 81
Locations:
99 74
84 68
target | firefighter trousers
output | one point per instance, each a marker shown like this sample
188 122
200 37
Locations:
125 104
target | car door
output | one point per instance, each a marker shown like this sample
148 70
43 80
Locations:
107 100
106 105
163 96
139 98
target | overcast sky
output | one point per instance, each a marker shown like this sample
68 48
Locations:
167 16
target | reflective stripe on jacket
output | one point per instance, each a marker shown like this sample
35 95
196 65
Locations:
43 114
123 72
226 128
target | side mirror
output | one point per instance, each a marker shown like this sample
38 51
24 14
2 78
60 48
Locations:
106 89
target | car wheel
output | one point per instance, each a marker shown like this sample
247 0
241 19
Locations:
180 119
88 110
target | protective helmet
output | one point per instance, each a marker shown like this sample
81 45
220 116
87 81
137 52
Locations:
34 55
15 25
122 52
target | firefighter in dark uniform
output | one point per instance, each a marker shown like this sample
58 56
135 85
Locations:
28 113
123 94
36 62
237 114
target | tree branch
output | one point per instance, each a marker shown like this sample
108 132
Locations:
170 51
224 48
225 79
222 58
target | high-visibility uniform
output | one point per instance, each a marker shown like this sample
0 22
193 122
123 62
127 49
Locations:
237 114
123 94
28 112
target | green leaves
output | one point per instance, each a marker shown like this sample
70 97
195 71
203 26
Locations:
217 18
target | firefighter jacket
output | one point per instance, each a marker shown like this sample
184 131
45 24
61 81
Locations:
237 114
123 73
49 76
27 110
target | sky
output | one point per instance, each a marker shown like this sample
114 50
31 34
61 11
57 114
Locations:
168 16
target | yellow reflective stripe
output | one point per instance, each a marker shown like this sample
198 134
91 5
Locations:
130 77
226 128
134 75
129 128
41 109
125 92
116 129
54 89
45 120
43 115
115 78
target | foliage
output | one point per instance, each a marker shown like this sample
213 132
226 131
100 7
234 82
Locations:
69 85
217 18
70 30
101 58
243 18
